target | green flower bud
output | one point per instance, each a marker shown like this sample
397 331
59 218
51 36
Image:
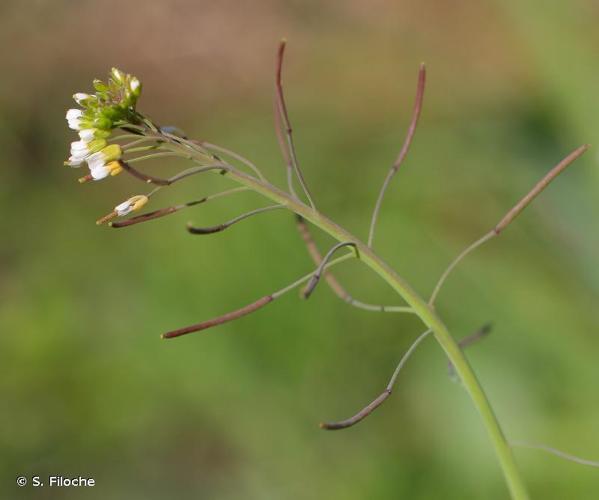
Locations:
102 123
83 99
100 86
118 76
113 113
111 152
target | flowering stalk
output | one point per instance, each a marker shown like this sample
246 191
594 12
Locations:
113 107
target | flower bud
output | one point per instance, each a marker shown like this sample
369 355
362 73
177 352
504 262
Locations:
112 113
135 87
130 205
112 152
83 99
73 114
101 88
118 76
102 122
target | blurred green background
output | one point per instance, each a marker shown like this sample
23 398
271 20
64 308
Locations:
88 387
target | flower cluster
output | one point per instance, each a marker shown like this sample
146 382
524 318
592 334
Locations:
111 106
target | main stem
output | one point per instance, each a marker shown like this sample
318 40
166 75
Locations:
420 307
426 313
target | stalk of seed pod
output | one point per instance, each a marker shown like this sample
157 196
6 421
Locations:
510 215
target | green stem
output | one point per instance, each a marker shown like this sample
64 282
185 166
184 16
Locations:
420 306
426 313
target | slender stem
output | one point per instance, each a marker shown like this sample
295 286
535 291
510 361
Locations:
225 225
405 358
162 183
150 179
424 310
305 278
153 156
319 270
511 214
127 136
421 308
139 140
250 308
140 149
234 155
221 167
404 150
456 261
130 127
283 145
150 124
287 153
556 452
282 108
381 308
379 400
337 288
189 144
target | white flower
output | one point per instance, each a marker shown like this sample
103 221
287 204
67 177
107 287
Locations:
128 206
98 172
134 84
74 113
79 146
133 203
74 118
104 163
87 134
77 156
81 150
96 160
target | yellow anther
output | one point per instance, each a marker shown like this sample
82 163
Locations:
114 167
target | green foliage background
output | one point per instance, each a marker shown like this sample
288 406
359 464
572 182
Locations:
88 387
